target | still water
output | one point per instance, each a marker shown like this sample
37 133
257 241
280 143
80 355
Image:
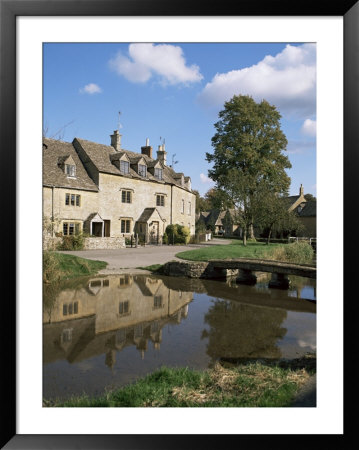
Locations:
103 333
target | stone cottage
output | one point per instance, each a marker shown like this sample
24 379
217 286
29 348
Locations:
306 211
112 193
222 222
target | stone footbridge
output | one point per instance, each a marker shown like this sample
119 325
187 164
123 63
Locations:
244 269
279 270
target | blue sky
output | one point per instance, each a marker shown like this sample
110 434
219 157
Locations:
174 91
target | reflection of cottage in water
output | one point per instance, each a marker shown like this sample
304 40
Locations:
109 314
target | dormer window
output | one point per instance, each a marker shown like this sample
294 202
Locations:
70 170
158 173
67 164
124 167
142 170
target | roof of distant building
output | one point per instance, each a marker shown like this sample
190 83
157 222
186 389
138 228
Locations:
309 209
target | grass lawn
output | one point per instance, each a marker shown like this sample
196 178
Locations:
235 249
60 266
247 385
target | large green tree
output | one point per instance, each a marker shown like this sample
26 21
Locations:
248 155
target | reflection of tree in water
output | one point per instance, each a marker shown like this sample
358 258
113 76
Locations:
243 331
49 296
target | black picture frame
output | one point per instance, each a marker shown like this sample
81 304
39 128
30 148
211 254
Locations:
9 10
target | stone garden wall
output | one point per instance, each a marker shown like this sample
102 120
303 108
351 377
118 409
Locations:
91 243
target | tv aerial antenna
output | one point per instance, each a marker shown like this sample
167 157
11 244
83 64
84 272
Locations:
119 123
173 160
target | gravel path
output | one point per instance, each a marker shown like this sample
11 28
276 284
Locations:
124 260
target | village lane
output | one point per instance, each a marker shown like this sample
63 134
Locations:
127 260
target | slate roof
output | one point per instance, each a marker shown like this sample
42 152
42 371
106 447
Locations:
56 152
216 216
309 209
103 155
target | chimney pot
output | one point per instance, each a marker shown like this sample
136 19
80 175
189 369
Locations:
146 150
162 155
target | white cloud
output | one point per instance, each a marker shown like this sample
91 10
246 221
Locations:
146 60
287 80
309 127
204 178
91 88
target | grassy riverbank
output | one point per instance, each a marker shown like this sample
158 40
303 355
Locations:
300 252
257 384
60 266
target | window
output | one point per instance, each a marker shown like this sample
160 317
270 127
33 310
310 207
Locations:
157 301
69 309
158 173
160 200
125 225
189 208
124 166
124 281
124 307
70 170
66 335
126 197
70 228
72 199
142 170
182 207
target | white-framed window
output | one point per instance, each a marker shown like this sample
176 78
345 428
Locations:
70 170
125 225
182 210
126 196
158 173
124 166
189 208
72 199
70 228
160 200
142 170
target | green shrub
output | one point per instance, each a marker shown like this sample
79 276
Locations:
184 234
176 234
300 252
73 242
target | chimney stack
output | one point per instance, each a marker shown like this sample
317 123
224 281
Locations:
301 190
147 149
116 140
162 154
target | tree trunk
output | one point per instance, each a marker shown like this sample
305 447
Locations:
245 236
251 231
269 234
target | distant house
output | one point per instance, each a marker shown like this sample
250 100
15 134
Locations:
306 211
225 222
109 192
